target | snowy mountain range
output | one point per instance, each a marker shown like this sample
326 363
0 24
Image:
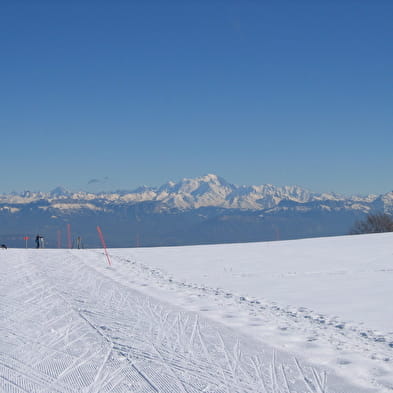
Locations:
206 191
204 209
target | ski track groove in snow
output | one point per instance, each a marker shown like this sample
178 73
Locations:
92 333
344 338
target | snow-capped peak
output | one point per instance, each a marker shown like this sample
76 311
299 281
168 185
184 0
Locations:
60 191
208 190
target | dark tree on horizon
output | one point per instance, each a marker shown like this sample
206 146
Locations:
373 223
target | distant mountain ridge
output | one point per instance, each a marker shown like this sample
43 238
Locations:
206 209
205 191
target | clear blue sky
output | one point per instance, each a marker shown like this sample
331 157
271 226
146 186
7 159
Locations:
142 92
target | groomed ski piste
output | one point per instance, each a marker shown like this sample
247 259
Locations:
305 316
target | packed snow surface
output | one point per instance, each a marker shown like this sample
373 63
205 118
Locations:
347 276
306 316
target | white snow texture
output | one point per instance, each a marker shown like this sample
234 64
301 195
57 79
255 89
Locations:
306 316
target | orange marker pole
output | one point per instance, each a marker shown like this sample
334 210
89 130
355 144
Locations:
100 234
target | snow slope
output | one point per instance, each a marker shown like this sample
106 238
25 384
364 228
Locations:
199 319
347 276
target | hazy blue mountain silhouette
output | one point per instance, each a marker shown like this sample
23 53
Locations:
206 210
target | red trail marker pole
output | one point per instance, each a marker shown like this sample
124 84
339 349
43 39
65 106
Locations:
69 235
100 234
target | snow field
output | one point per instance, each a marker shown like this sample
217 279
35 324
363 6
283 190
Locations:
326 298
69 323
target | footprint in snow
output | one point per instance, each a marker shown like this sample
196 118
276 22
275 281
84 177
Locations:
343 362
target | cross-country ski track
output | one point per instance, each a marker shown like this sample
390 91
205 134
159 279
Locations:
71 324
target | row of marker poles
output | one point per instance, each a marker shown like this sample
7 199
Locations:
100 234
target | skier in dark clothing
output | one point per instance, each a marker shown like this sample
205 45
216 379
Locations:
37 241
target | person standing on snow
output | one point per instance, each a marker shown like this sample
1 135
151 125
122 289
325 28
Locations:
37 241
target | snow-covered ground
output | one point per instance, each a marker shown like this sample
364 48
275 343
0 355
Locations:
305 316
